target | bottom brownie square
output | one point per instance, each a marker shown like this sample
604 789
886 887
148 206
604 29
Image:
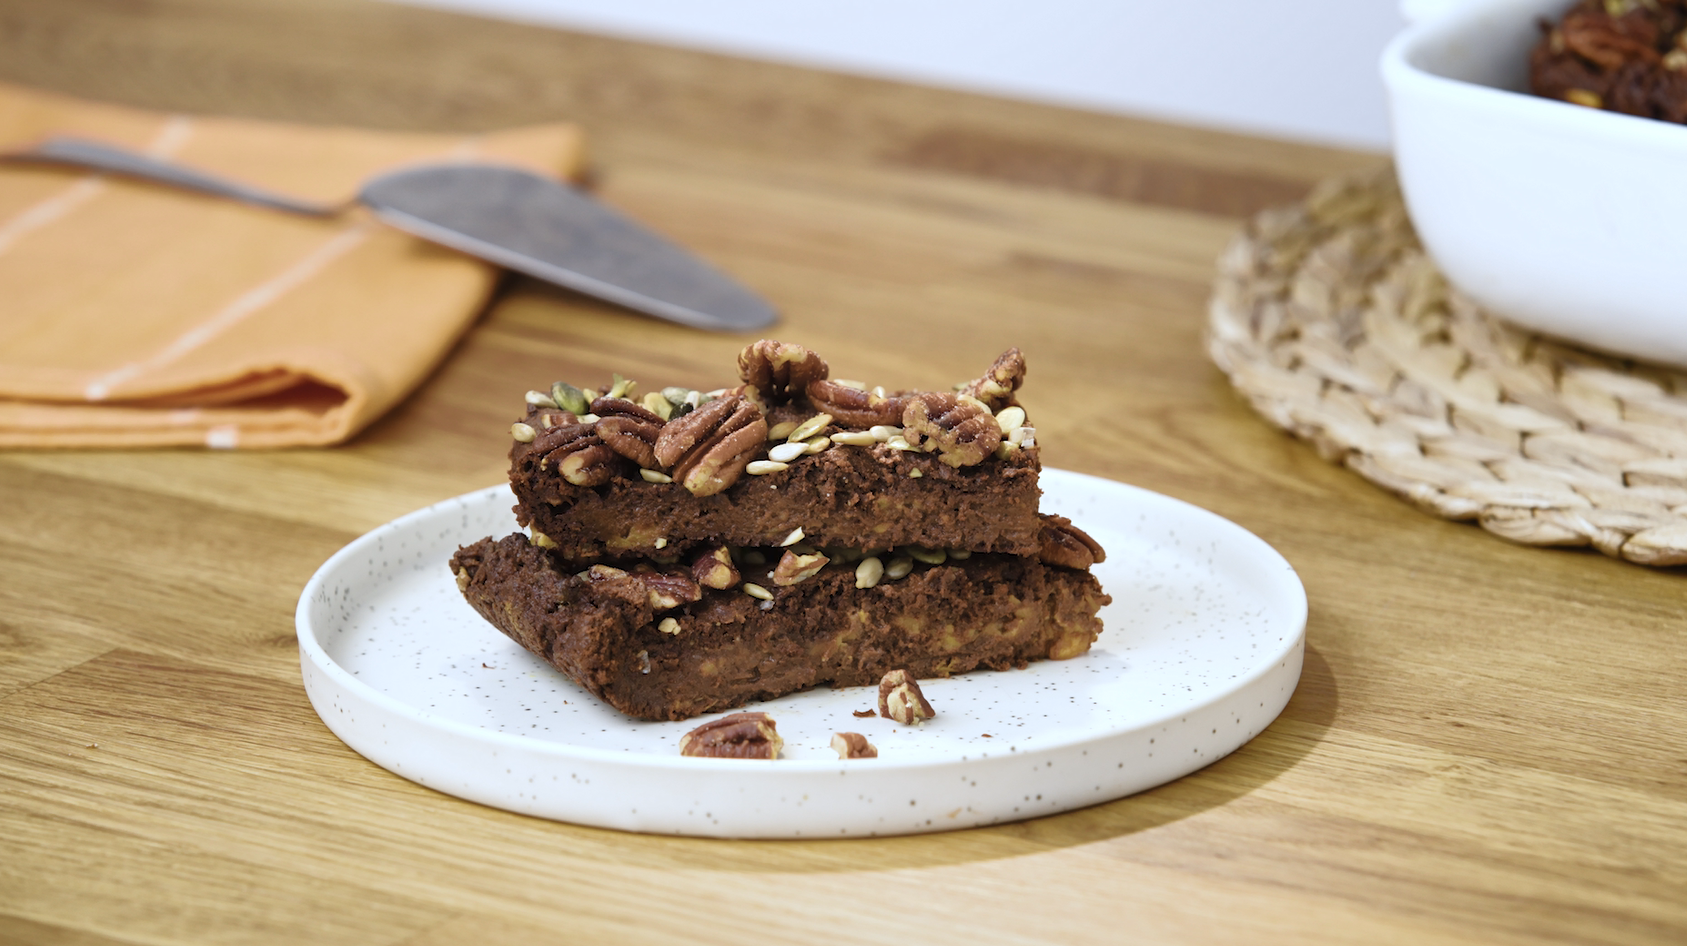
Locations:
625 638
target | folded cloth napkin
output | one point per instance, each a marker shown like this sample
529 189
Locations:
133 314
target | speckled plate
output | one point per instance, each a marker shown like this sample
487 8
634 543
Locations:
1202 650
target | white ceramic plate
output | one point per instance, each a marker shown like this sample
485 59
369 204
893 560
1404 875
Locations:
1202 649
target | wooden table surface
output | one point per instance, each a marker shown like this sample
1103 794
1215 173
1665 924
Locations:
1488 745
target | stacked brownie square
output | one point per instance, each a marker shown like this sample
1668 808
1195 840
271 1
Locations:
689 552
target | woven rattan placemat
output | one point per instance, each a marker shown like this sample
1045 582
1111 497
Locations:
1332 321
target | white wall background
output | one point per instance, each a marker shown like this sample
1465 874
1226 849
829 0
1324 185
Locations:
1300 69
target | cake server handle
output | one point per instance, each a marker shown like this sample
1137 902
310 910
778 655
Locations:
78 152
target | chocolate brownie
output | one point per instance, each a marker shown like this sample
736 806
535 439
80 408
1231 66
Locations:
604 477
845 496
691 552
603 629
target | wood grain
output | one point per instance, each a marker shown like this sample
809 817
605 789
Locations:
1489 744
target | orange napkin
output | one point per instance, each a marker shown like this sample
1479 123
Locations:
133 314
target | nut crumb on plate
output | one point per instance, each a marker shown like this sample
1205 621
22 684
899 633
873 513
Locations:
734 736
900 699
853 745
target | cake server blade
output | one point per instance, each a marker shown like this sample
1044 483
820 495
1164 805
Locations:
535 225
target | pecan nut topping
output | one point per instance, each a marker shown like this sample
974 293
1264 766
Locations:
780 370
577 454
628 429
713 569
708 448
1059 542
853 745
854 408
621 407
736 736
900 699
668 591
996 387
958 429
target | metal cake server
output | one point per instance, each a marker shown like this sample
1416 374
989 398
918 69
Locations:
505 215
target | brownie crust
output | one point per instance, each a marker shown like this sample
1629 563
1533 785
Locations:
987 611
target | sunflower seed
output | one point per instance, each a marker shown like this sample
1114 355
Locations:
540 399
786 452
855 438
809 428
930 556
654 476
764 467
756 591
868 573
792 539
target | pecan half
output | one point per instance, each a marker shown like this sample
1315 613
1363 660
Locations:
855 408
621 407
708 448
780 370
1059 542
900 699
957 429
577 454
996 387
713 569
853 745
736 736
668 591
628 429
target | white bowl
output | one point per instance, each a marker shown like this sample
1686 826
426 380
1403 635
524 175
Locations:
1568 220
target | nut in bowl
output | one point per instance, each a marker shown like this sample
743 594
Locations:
1561 218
